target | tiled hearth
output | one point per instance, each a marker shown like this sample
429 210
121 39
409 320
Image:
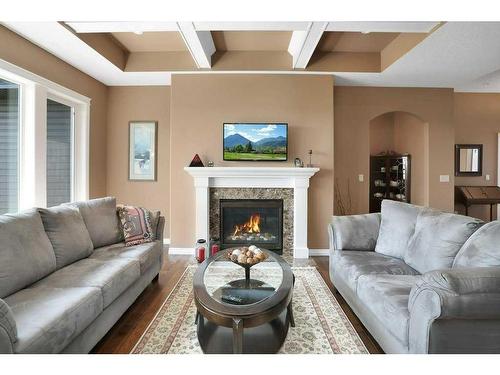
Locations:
289 184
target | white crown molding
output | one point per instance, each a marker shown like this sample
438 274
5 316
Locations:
121 27
251 26
382 27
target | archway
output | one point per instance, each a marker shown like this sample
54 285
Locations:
404 133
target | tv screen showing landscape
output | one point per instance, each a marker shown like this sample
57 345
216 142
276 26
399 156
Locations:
255 141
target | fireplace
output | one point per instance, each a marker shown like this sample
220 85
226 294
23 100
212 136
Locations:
252 221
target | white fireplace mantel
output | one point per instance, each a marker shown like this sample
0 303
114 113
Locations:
255 177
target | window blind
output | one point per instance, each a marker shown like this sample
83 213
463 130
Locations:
59 153
9 146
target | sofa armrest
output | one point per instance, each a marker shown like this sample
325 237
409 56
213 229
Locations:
462 296
354 232
8 328
160 227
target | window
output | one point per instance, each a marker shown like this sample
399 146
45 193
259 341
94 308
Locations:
9 146
44 142
59 153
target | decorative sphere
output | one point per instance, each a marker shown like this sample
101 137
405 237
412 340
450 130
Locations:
236 252
249 254
242 258
252 247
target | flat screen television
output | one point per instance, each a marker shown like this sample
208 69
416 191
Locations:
255 141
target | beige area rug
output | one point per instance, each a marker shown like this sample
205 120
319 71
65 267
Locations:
321 325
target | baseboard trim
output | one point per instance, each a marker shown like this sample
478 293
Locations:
318 252
181 251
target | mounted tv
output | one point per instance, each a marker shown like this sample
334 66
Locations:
255 141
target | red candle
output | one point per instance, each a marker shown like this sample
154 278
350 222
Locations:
215 248
201 254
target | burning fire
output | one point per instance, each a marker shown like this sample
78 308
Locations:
251 226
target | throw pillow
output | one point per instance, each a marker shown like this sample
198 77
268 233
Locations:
396 228
68 234
438 238
136 225
101 220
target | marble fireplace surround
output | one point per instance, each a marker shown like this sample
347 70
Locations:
286 194
297 179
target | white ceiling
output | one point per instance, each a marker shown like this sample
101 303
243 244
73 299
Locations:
460 55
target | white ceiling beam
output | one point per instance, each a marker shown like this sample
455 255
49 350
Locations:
121 27
199 43
382 27
303 43
251 26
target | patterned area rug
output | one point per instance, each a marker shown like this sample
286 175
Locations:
321 325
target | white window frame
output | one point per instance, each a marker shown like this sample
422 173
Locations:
34 92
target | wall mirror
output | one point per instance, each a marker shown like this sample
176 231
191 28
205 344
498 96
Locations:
468 160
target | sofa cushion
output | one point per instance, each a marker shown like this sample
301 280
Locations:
350 265
26 254
438 238
482 249
67 232
147 254
48 319
396 227
112 277
386 296
101 219
356 232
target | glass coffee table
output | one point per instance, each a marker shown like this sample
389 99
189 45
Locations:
239 312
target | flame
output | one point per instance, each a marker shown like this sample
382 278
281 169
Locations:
251 226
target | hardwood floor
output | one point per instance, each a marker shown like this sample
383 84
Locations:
127 331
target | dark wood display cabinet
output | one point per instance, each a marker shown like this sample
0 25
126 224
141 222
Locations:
390 178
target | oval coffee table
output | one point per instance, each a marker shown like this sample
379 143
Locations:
239 315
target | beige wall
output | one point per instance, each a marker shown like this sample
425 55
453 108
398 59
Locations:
200 104
20 52
477 120
355 107
138 103
411 136
382 134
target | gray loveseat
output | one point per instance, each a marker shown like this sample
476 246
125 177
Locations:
420 280
66 276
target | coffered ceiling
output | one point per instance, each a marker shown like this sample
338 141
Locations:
357 53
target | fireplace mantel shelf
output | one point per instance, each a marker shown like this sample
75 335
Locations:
251 171
255 177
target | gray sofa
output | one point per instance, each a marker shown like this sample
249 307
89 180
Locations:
420 280
66 276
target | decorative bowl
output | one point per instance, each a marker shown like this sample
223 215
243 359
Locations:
246 256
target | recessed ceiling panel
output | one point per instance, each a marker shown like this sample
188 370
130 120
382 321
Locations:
251 40
162 41
354 42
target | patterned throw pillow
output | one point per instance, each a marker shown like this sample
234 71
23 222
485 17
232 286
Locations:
136 225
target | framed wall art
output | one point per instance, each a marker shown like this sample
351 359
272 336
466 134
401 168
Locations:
143 140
